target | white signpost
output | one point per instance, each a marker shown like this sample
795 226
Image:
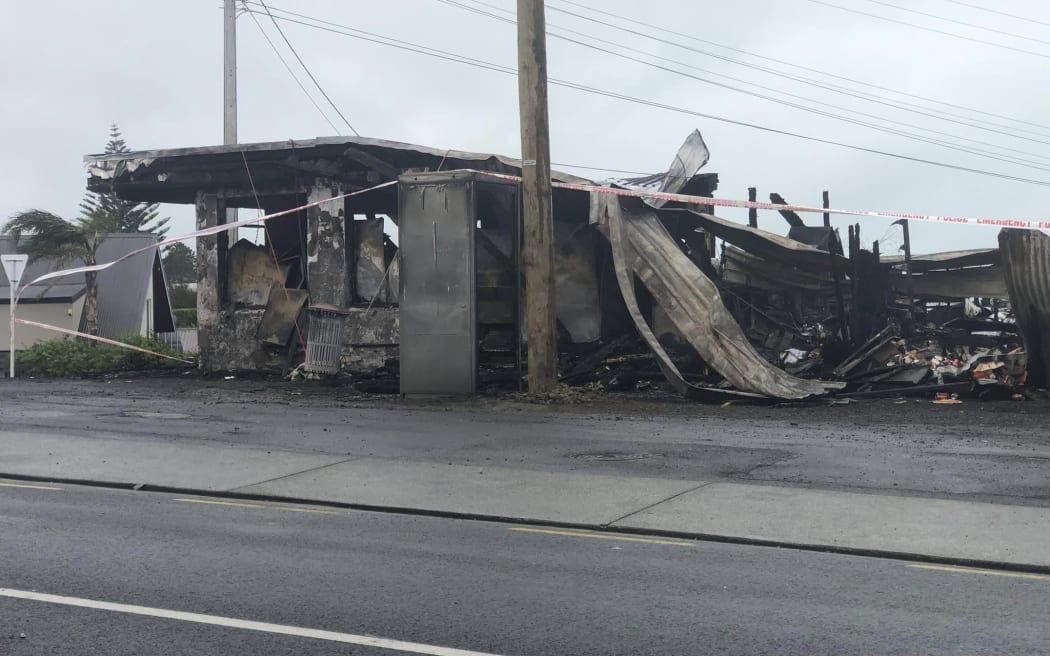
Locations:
14 266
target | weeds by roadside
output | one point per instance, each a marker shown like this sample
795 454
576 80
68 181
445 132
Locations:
67 358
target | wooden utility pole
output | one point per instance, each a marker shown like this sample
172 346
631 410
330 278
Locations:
536 197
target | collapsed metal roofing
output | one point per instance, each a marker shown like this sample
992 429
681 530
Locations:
946 260
767 244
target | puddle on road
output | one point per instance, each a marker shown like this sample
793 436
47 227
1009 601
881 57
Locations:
156 415
615 456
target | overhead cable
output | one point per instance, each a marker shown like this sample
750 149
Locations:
932 29
996 11
782 62
295 77
362 35
305 67
814 110
1013 35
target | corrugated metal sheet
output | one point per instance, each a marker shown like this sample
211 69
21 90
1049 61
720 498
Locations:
690 158
742 268
122 288
1026 265
767 245
642 247
984 282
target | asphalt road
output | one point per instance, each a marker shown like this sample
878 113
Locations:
439 583
986 451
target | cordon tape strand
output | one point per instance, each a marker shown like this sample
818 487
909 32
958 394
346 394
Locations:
1022 224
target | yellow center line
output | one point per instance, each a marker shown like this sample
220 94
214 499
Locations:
304 510
30 487
601 536
220 503
986 572
257 506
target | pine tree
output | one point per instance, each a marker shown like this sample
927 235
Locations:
128 216
180 264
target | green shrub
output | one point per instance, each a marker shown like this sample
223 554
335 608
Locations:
185 317
64 358
182 297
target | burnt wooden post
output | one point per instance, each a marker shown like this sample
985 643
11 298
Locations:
835 248
827 215
211 276
908 273
793 219
752 213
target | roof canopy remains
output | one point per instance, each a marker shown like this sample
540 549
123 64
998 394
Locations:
176 175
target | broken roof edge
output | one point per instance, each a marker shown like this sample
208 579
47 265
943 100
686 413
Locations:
766 244
105 166
947 259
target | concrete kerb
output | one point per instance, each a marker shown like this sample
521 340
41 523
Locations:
525 521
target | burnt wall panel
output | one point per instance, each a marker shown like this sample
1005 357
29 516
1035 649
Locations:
327 263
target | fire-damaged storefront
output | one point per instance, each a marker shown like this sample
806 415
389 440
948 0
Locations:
403 263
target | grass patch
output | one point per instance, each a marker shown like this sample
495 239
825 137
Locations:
69 358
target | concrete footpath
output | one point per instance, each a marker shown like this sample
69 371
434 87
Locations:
962 531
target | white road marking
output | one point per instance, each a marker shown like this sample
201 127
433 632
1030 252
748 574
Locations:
233 623
30 487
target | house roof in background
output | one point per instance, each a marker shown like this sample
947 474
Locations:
63 290
122 288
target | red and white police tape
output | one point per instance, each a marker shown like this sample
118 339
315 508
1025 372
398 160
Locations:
1023 224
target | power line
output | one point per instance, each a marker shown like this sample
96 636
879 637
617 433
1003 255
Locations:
959 22
291 72
600 168
782 62
477 63
306 68
996 11
932 29
811 82
821 112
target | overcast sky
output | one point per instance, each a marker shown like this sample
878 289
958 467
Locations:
155 68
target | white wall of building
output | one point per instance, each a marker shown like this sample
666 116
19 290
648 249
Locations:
63 315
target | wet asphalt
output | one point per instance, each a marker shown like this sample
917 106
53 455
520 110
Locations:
478 586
